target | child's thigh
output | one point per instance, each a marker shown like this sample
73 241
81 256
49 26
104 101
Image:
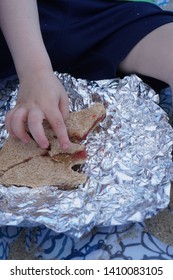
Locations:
152 56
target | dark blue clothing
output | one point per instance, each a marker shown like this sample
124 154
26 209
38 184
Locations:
89 38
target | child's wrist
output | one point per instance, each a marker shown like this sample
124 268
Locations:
36 63
34 71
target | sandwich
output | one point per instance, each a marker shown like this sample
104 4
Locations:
29 165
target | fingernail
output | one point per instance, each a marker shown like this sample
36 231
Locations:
45 145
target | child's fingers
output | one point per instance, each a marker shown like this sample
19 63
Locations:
64 106
56 121
16 124
35 125
8 122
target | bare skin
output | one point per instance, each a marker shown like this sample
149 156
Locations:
153 56
41 96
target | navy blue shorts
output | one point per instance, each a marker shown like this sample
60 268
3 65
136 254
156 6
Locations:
89 38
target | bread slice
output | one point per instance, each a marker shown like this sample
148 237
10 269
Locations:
15 152
43 171
55 149
81 123
29 165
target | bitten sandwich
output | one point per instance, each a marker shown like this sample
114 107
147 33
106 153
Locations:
29 165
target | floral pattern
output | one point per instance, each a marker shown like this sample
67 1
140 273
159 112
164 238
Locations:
129 242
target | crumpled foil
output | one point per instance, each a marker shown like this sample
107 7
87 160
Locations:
129 163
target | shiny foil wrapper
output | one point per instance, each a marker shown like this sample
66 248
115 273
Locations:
129 165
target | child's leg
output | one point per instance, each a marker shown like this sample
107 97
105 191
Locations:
153 56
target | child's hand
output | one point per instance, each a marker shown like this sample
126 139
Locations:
40 97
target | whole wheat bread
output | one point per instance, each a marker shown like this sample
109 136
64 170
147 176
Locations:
43 171
29 165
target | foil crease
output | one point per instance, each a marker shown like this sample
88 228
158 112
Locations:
129 163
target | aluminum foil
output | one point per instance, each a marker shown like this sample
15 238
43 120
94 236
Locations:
129 163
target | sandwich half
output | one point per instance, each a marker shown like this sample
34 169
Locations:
29 165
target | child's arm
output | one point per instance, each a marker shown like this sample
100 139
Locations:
41 95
